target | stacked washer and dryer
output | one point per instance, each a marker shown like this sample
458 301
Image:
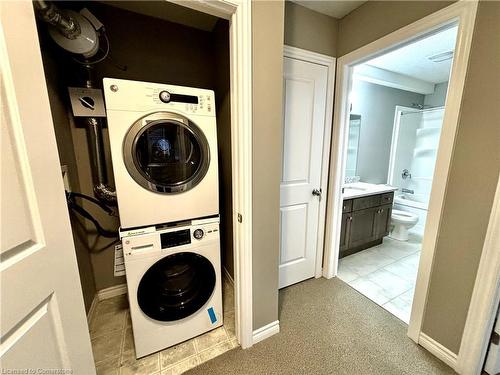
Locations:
164 150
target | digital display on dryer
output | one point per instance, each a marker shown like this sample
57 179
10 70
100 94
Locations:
177 238
190 99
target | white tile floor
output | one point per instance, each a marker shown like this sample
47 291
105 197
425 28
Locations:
113 345
386 274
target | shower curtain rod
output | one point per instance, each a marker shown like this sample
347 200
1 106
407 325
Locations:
422 110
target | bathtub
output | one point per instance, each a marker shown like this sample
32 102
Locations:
416 204
418 201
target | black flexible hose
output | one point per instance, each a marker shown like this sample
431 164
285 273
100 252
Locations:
84 213
70 195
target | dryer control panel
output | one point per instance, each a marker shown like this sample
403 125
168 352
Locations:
202 104
154 96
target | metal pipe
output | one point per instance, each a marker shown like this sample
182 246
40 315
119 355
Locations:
70 28
53 15
422 110
96 149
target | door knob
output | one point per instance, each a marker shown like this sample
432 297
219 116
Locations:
317 192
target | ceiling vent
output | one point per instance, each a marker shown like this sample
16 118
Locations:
440 57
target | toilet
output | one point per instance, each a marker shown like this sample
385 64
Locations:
401 221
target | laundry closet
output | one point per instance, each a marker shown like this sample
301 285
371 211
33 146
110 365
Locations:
156 58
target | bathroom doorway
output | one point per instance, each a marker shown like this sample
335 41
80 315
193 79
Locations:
396 114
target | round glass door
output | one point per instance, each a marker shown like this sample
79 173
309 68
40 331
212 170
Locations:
166 153
176 286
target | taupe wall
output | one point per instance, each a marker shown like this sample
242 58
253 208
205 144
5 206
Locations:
475 162
310 30
374 19
152 50
267 32
471 186
59 109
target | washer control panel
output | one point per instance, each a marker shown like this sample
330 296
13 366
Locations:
167 239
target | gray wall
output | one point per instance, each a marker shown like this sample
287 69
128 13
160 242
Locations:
267 32
438 97
468 200
376 105
471 186
310 30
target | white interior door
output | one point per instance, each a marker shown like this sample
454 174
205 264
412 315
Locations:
305 93
42 322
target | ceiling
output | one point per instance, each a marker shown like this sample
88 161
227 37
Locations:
169 12
412 60
332 8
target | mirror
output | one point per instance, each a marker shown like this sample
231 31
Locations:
353 145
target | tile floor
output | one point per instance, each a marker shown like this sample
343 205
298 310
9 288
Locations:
386 274
113 345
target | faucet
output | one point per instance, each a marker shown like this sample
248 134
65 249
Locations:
351 179
409 191
406 174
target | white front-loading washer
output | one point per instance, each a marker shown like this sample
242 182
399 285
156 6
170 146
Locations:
174 283
163 141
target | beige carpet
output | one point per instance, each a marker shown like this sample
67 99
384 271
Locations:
329 328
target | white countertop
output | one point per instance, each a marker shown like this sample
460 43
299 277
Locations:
363 189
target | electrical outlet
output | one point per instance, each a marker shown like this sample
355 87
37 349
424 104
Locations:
64 170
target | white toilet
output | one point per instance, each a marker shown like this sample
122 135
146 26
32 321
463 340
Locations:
401 221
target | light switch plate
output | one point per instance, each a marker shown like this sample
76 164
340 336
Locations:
64 170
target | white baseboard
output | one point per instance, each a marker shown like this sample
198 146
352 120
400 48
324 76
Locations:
265 332
93 306
438 350
229 277
111 292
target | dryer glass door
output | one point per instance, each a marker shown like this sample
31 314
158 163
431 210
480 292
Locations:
168 155
176 286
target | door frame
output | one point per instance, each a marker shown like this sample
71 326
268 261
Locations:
329 62
463 12
485 299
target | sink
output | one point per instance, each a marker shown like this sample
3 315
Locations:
359 189
355 188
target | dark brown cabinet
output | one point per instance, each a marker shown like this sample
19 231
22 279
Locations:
382 221
344 236
365 221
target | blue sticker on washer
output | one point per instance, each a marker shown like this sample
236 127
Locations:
211 314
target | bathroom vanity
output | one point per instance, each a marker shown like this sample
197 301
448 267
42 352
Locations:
366 216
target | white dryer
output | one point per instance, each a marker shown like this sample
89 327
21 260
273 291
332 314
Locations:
174 284
164 150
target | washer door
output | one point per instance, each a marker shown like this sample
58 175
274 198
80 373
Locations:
166 153
176 286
